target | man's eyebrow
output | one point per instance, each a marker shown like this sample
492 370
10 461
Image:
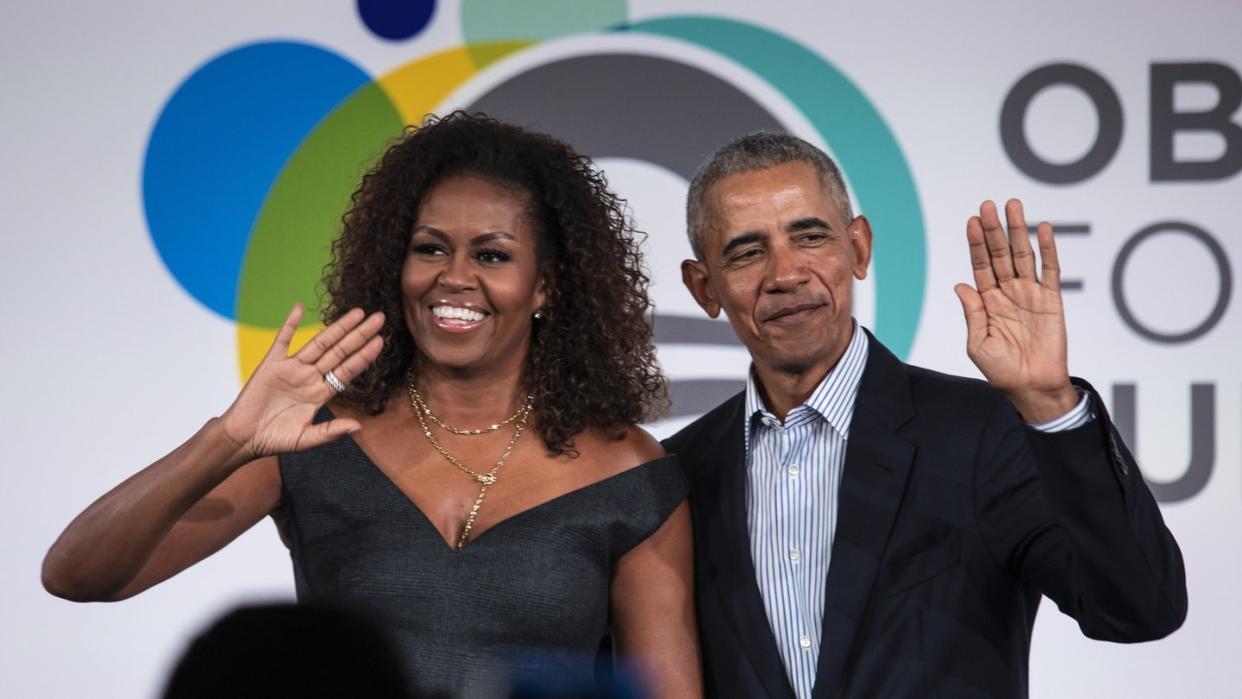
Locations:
743 239
808 223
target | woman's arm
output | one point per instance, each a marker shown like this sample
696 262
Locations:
161 520
221 481
653 609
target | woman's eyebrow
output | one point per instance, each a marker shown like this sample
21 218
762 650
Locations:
490 236
478 239
433 231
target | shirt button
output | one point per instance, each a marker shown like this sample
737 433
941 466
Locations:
805 642
793 555
793 471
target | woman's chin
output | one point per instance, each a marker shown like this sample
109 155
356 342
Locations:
456 362
460 360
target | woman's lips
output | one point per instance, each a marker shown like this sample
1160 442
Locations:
457 319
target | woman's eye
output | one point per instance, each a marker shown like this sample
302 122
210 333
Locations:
493 256
429 249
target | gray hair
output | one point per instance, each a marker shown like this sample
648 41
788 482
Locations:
758 151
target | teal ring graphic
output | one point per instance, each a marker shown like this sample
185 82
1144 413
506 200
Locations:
280 94
863 144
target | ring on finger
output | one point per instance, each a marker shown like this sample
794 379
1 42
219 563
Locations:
335 383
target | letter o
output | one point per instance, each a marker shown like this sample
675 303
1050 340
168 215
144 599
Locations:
1108 113
1222 270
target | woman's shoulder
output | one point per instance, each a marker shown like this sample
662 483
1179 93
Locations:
634 461
642 482
616 452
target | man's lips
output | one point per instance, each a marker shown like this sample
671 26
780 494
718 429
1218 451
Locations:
792 313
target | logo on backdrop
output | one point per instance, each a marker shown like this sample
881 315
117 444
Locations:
1166 120
252 161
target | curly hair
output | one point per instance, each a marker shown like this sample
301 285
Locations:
591 362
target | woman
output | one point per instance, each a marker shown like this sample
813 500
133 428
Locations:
477 476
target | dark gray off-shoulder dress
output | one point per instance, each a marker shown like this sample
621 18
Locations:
531 592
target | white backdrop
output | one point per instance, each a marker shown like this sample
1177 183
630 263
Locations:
111 361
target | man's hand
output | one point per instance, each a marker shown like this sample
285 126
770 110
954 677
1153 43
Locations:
1015 324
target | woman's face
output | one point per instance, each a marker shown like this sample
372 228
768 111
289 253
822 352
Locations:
471 280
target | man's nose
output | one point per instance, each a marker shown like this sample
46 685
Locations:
786 270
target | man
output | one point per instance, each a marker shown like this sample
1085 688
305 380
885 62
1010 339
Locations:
868 528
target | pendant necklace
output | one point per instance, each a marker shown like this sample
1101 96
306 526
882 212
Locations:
485 480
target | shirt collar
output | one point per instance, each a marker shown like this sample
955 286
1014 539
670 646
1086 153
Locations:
833 399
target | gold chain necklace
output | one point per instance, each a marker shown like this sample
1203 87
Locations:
420 405
485 480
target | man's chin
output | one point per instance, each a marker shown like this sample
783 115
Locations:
798 362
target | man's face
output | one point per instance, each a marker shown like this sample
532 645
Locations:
780 259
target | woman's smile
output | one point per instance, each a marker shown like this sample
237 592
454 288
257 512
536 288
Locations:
453 318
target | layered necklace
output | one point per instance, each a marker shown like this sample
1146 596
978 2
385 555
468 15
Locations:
423 413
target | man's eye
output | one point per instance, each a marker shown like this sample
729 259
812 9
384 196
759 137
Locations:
812 238
744 255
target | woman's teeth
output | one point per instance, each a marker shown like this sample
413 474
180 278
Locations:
456 313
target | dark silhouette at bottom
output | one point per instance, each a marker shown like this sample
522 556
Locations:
290 650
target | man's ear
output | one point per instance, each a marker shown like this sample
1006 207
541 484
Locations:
859 231
694 276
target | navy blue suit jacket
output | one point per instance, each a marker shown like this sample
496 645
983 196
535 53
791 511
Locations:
954 519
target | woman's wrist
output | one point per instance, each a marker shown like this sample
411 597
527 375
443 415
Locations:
221 444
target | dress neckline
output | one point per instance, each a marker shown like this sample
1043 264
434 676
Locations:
500 524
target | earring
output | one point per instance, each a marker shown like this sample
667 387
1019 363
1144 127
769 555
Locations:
538 315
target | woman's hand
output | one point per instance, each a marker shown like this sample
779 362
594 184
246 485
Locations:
216 485
274 411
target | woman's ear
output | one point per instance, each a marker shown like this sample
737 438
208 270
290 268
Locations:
541 294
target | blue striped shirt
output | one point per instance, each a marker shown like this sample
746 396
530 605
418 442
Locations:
793 470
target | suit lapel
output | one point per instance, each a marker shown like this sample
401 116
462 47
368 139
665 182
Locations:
877 462
721 515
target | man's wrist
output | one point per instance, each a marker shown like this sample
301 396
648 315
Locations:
1045 405
1079 415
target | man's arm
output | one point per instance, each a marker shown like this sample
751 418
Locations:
1067 511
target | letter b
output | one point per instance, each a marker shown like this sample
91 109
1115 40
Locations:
1165 122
